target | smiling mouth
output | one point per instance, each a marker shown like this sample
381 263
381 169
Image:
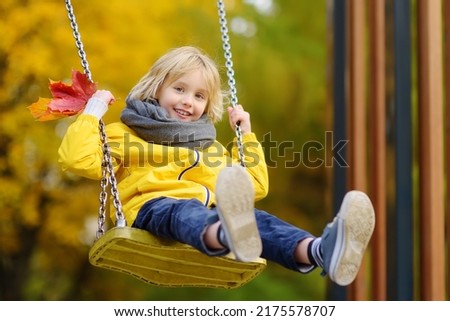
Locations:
182 113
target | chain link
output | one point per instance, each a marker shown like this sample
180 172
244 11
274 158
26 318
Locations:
108 176
230 73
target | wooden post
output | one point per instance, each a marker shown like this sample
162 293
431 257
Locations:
431 143
378 145
447 127
357 113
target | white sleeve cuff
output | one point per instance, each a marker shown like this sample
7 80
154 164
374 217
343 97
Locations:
95 107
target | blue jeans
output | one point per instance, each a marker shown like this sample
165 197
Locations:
186 220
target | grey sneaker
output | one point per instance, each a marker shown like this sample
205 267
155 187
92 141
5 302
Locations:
235 198
345 239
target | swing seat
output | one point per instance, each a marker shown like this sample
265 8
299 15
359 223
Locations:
168 263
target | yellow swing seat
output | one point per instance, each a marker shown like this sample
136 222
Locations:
168 263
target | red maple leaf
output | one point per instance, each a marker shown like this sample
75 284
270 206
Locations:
68 100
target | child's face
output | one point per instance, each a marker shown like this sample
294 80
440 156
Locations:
186 98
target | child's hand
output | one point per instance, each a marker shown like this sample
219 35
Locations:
105 96
238 114
98 104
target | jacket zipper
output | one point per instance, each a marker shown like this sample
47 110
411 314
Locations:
196 162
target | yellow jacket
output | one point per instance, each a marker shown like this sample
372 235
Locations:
145 171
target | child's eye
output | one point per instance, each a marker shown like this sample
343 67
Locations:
179 89
200 96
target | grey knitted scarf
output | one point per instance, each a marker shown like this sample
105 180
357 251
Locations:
152 123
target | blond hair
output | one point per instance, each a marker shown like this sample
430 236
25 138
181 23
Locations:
173 65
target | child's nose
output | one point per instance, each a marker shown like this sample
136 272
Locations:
187 99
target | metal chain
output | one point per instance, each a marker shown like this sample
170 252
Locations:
230 73
78 43
108 176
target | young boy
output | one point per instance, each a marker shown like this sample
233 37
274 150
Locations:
177 181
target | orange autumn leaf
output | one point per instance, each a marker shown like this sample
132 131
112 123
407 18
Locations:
68 100
41 111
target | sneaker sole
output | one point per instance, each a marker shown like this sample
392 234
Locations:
356 219
235 198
